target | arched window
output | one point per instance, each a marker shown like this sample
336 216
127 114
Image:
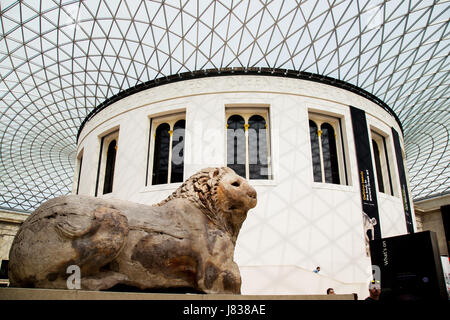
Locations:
328 158
107 162
376 153
110 164
248 142
236 153
329 151
315 151
381 161
178 151
166 146
257 148
161 154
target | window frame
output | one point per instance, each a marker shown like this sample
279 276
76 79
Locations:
246 112
79 167
105 140
171 119
386 168
336 123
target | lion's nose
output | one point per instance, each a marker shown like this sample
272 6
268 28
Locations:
252 193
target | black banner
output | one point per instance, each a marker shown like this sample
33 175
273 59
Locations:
403 185
365 171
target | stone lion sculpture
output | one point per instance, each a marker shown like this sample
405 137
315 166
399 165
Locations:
186 241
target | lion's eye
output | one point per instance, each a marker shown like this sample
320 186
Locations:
235 184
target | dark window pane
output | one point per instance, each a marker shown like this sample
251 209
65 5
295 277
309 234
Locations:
236 144
315 151
376 155
329 153
161 154
4 269
257 148
178 151
110 163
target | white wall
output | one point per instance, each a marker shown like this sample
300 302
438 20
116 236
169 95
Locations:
297 222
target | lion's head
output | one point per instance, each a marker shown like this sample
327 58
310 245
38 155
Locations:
221 194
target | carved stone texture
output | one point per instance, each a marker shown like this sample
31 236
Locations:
187 241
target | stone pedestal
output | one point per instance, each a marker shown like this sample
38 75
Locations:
56 294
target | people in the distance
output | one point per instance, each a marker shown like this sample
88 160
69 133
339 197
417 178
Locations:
317 270
330 291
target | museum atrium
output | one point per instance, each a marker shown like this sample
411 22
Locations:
75 74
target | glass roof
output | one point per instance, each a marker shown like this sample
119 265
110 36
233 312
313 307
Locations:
60 59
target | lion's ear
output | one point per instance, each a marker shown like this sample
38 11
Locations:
214 173
212 177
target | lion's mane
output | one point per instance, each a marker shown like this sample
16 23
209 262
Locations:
201 189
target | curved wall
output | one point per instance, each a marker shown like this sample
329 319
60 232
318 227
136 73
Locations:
298 224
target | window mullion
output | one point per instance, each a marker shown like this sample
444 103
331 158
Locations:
247 166
322 166
169 165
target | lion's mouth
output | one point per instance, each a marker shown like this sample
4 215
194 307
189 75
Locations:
251 194
252 198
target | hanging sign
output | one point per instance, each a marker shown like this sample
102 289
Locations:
365 175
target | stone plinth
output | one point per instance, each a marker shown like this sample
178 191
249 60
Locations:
56 294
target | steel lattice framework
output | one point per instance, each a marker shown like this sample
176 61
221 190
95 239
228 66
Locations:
60 59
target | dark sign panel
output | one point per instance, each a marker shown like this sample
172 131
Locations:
365 169
410 267
403 185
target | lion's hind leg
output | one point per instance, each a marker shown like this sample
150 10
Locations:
103 242
95 240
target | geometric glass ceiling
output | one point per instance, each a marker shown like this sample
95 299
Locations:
60 59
